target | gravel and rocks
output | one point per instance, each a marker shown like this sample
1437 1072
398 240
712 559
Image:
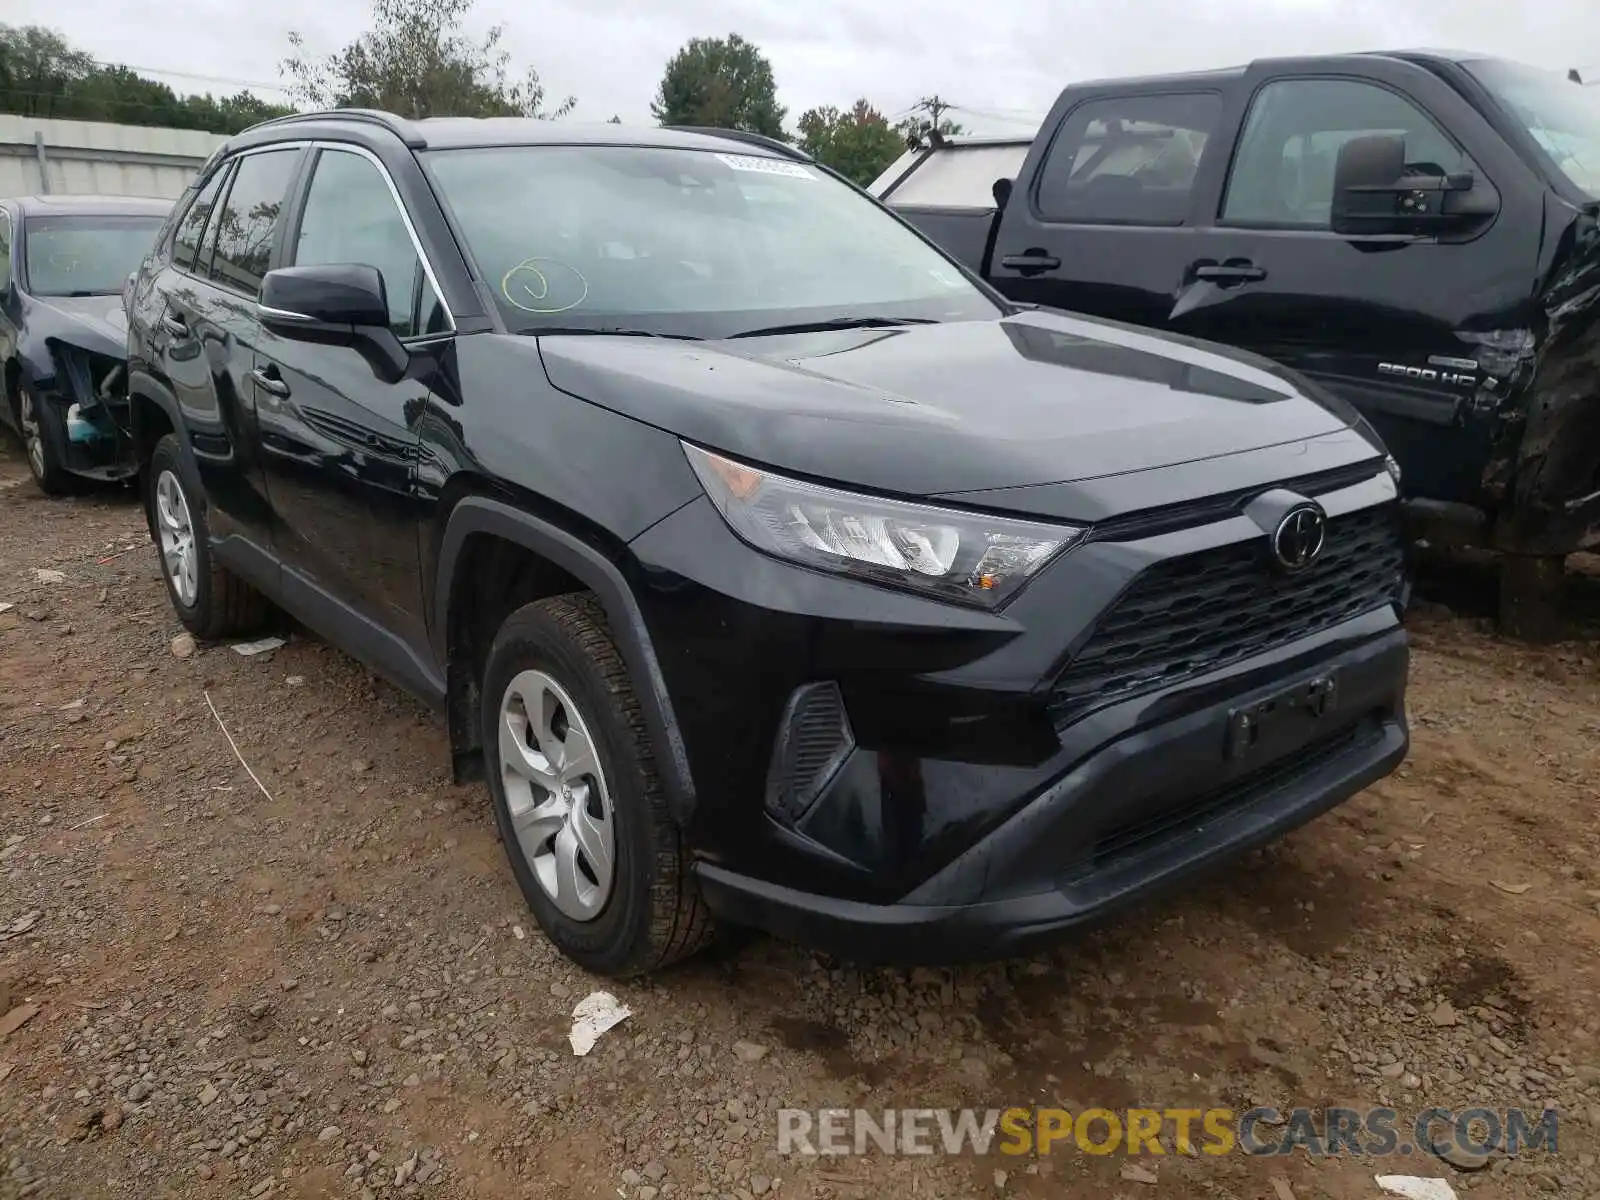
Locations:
336 991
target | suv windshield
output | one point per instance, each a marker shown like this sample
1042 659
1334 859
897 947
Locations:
85 256
687 242
1562 116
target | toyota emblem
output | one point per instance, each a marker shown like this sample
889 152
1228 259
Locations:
1299 536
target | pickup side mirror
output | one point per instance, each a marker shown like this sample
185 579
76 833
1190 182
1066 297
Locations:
1376 192
341 304
1000 189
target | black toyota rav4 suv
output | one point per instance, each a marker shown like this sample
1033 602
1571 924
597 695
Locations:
770 567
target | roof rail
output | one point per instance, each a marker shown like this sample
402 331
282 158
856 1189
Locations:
752 139
405 130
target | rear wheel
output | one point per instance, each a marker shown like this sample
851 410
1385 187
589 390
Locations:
210 600
576 795
39 438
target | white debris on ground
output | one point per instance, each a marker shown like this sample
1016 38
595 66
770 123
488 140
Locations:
1415 1187
593 1015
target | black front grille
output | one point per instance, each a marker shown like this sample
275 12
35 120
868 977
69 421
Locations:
1193 614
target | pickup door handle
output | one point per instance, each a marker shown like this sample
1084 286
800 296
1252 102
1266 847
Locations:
269 382
1230 273
1031 261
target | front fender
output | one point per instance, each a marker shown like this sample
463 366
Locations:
482 514
36 364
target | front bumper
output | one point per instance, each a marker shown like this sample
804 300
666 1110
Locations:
1121 825
895 777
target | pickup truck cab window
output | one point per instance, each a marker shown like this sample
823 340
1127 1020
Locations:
1562 116
1283 171
686 242
1128 160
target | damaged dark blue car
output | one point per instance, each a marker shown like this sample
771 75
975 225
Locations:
63 334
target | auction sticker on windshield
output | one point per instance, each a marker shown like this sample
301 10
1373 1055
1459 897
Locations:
765 166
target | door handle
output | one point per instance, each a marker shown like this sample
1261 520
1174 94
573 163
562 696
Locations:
1032 260
270 384
174 325
1232 272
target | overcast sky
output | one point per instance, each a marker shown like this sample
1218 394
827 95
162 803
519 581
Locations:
1003 61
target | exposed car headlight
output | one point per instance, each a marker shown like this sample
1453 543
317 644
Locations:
970 558
1391 466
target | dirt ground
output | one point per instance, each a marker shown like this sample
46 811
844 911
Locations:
337 991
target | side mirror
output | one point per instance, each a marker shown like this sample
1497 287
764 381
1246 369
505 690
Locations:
1375 192
1000 189
345 294
337 304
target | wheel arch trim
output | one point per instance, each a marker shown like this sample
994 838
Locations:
484 515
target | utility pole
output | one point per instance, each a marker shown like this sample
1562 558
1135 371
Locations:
928 127
934 106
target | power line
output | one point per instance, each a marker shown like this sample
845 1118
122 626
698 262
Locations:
1034 119
245 83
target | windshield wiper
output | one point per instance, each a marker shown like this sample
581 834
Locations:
834 323
613 331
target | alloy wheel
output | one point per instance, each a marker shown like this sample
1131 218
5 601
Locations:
175 528
32 435
556 795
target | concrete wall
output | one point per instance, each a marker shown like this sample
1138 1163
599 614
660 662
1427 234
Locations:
88 157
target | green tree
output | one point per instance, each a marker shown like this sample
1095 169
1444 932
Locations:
927 116
858 143
38 69
417 61
725 83
41 75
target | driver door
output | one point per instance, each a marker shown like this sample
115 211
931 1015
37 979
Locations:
1402 326
339 443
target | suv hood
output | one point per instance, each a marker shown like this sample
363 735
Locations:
1036 398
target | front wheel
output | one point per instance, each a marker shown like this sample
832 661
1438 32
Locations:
576 795
39 438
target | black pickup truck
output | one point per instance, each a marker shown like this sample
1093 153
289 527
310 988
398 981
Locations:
1417 232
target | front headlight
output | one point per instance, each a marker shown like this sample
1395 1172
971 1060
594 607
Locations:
970 558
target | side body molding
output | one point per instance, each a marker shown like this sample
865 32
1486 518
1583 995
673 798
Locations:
480 514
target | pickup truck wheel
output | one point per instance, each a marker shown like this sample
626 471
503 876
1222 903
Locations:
39 439
210 600
576 795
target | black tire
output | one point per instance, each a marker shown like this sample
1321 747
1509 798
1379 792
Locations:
654 914
41 445
223 604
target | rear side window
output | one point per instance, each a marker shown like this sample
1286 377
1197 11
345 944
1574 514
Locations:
1128 160
186 242
1283 172
247 221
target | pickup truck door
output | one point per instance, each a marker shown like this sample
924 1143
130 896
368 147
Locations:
1103 212
1410 329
